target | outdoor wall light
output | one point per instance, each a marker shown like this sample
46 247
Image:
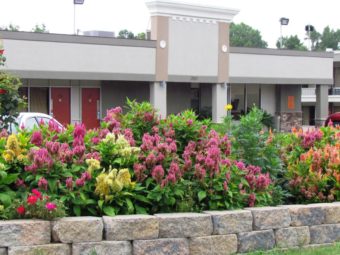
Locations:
162 44
224 48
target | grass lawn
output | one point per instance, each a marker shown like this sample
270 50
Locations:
326 250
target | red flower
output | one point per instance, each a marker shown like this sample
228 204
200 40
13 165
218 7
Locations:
32 200
50 206
37 193
21 210
3 91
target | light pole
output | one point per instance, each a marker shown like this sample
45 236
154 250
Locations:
283 22
75 2
309 29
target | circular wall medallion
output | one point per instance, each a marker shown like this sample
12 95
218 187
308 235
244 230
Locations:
162 44
224 48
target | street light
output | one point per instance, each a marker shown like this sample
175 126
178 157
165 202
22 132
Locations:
309 29
75 2
283 22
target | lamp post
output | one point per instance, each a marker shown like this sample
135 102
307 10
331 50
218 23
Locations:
283 22
309 29
75 2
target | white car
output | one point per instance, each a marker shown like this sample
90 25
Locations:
29 120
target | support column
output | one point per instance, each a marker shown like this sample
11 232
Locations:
219 100
158 97
321 107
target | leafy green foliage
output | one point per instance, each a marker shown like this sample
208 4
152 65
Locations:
291 43
243 35
10 101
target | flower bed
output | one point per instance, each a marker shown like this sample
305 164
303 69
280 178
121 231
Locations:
136 163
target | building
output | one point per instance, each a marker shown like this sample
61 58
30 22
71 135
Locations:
187 64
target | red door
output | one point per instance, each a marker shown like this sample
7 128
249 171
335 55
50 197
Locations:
90 107
61 105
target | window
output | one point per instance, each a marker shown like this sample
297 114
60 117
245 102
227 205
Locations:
31 123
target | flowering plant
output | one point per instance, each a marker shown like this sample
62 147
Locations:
39 206
313 164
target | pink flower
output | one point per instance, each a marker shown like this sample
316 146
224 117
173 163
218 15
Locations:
252 200
36 138
20 183
80 182
53 126
32 200
21 210
79 130
157 173
189 122
95 140
53 147
42 183
69 183
86 176
240 165
37 193
50 206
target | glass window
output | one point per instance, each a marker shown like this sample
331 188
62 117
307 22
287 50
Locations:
31 123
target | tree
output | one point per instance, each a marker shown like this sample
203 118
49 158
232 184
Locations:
315 38
291 43
10 101
329 39
10 27
125 34
242 35
40 29
141 36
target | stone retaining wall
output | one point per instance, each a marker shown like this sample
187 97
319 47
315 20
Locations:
213 232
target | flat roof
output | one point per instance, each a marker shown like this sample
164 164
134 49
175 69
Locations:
83 39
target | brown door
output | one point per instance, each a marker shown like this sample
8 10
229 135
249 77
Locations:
91 107
61 105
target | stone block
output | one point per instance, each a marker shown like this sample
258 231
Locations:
102 248
47 249
77 229
292 237
131 227
231 222
171 246
213 245
270 217
184 225
24 232
256 240
3 251
332 213
306 215
324 233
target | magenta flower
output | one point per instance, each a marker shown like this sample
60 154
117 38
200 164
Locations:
157 173
43 183
50 206
79 130
36 138
69 183
80 182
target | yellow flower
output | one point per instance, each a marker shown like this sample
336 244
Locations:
8 155
124 177
116 186
228 107
109 138
102 187
13 144
93 164
122 142
21 157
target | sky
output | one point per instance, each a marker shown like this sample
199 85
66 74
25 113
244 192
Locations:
114 15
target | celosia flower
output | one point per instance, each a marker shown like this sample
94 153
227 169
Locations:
32 199
252 200
79 130
189 122
8 155
20 183
13 144
21 210
37 138
53 147
93 164
124 177
42 183
86 176
69 183
50 206
157 173
95 140
80 182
